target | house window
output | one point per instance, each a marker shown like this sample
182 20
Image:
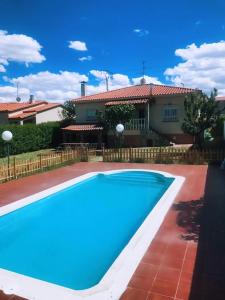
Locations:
170 114
91 114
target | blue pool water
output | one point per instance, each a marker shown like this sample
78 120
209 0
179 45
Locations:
72 237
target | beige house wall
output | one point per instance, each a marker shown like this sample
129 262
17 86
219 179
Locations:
51 115
81 110
156 114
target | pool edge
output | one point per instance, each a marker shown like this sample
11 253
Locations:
118 275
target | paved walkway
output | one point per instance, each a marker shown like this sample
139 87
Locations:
166 270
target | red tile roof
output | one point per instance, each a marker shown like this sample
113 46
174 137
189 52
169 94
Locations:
89 127
42 107
220 98
24 110
137 101
21 115
14 106
136 91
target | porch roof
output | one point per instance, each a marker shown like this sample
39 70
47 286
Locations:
21 115
88 127
135 101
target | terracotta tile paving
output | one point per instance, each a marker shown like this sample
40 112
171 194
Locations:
166 270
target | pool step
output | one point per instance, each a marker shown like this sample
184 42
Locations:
137 178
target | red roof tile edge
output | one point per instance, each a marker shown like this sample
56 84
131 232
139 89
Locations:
136 91
118 102
88 127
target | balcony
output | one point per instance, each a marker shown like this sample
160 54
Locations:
136 124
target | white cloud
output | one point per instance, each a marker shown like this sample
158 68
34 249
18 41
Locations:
98 74
148 79
85 58
202 67
115 80
78 45
2 68
141 32
61 86
9 93
44 85
120 79
18 48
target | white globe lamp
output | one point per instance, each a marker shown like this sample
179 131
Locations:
7 136
119 128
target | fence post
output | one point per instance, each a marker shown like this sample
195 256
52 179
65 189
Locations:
103 153
86 153
40 161
61 157
130 154
14 166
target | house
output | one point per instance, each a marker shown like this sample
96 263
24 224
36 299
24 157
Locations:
221 105
159 114
29 112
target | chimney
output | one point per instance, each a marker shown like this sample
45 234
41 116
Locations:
83 88
142 81
31 99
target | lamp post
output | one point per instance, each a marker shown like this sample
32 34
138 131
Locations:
7 137
119 130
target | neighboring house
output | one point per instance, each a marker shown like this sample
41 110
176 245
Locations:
221 104
159 113
29 112
221 101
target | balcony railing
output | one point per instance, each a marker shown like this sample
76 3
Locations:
136 124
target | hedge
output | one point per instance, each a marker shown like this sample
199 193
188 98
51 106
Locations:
31 137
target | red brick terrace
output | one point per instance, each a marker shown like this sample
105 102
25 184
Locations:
186 259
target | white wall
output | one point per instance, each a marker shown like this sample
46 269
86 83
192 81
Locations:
50 115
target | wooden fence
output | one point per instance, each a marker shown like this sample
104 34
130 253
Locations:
43 161
163 155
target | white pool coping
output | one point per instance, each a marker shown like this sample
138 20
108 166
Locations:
116 279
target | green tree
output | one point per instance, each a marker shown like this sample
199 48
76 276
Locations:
69 112
116 114
201 113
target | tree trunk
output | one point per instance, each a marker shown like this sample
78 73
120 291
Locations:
198 141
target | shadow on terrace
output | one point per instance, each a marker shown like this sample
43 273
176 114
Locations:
204 221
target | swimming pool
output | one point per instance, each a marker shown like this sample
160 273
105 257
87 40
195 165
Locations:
84 238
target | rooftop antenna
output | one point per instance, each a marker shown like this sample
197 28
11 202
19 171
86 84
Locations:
107 81
107 74
18 99
143 81
143 68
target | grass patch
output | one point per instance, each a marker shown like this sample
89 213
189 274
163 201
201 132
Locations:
26 156
45 169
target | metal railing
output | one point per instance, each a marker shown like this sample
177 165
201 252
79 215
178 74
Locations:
136 124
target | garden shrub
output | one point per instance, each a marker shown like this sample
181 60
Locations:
31 137
137 160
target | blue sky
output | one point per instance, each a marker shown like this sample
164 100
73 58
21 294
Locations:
118 36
